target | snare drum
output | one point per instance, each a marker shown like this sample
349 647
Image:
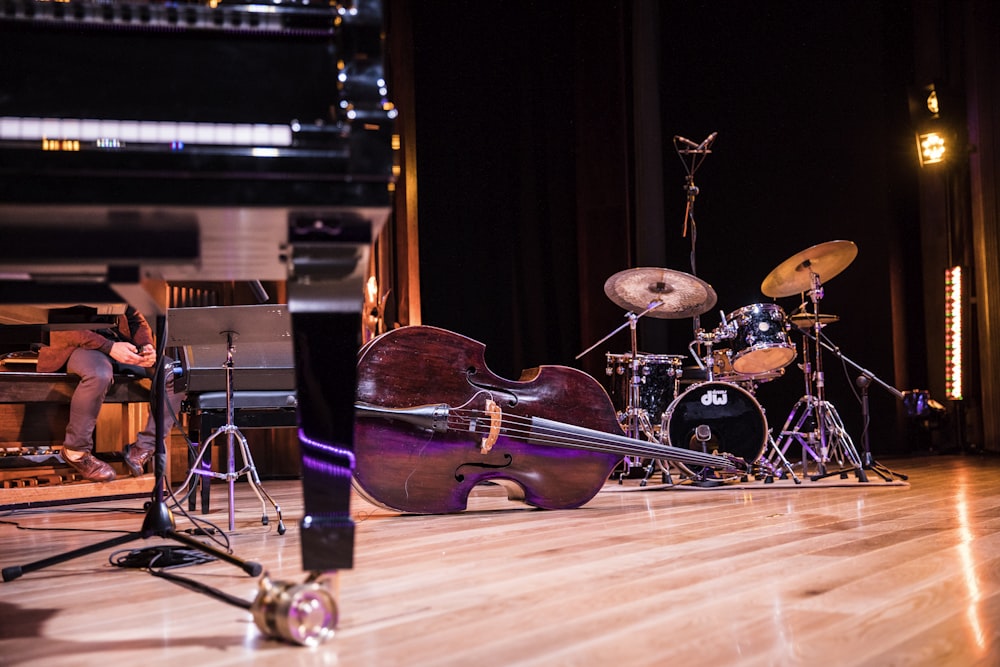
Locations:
760 343
657 378
717 417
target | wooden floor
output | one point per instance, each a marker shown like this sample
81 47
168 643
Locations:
856 574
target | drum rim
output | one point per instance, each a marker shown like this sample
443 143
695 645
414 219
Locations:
762 305
642 356
742 354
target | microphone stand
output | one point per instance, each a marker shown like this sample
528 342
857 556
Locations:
863 381
698 153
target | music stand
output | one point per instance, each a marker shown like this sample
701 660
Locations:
214 331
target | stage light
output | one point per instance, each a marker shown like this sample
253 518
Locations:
953 333
932 148
935 117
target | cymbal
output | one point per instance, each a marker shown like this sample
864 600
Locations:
794 275
807 320
681 294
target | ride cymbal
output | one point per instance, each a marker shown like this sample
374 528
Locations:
680 294
794 275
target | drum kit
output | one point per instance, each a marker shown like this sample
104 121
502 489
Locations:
712 407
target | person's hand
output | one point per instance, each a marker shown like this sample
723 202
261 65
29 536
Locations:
127 353
148 355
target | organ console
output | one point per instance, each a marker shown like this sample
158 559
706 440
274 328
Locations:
144 143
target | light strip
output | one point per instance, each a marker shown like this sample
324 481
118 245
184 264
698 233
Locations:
121 132
953 333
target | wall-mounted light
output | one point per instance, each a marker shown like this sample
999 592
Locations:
934 114
932 148
953 333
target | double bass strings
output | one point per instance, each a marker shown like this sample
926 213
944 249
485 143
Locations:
535 430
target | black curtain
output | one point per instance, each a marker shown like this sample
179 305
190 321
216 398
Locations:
526 149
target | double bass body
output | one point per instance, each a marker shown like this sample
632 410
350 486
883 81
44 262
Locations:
419 464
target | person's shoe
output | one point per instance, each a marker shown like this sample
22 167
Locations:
90 467
136 457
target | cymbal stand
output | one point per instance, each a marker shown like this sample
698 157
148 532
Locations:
833 440
863 381
232 433
636 421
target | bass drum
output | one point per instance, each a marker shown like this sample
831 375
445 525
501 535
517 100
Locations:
717 417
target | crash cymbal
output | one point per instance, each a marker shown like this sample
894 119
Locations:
807 320
794 275
681 294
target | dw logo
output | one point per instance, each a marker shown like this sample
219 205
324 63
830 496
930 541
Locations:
715 397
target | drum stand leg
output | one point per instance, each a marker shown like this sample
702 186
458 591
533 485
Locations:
840 447
653 464
803 409
767 462
834 442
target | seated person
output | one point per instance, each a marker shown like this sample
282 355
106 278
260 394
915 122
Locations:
95 356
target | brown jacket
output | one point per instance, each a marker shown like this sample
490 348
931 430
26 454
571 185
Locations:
132 326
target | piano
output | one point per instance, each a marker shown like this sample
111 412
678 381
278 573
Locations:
145 143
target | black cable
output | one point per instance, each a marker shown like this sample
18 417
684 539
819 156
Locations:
157 560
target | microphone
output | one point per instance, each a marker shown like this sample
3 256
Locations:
685 140
708 140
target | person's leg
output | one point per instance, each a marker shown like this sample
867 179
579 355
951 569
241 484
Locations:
95 371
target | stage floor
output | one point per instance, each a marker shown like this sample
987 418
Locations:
842 573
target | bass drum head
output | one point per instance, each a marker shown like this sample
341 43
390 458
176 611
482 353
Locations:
718 416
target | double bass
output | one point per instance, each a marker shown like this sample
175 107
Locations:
432 422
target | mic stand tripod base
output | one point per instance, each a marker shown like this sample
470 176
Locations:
158 522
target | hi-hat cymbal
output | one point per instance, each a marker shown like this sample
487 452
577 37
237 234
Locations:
794 275
680 294
807 320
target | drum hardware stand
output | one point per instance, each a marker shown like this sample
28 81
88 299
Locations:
634 422
838 444
863 381
765 461
233 435
833 438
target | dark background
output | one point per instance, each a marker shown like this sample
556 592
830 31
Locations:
526 117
